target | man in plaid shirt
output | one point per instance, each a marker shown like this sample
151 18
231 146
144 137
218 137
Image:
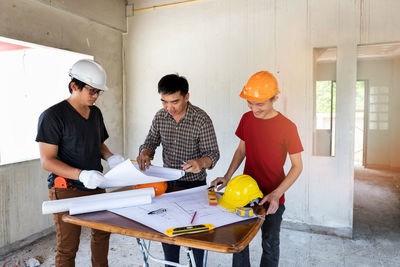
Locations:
188 139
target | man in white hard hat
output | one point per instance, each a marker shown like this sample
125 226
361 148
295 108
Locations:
71 137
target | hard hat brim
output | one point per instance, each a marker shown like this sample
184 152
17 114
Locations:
225 204
257 99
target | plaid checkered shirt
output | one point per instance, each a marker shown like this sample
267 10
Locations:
193 137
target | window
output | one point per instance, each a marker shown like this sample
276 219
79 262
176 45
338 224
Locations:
32 79
324 101
378 108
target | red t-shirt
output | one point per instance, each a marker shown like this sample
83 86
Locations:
267 144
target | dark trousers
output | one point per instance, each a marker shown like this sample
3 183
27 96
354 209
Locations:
68 234
171 252
270 231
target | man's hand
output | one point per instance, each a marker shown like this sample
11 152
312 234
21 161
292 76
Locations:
143 159
273 200
114 160
91 179
194 166
223 180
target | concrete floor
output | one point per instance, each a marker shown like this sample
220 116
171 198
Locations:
376 236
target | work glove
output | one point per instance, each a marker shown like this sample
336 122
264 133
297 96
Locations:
91 179
114 160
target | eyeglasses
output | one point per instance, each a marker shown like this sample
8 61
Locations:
93 91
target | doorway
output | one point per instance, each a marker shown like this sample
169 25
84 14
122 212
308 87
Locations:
376 145
360 119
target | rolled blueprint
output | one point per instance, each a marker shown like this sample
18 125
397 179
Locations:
61 205
91 206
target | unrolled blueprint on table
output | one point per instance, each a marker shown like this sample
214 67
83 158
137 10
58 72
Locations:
128 173
181 206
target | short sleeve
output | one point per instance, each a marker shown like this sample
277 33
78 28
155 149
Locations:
240 130
103 133
49 129
293 142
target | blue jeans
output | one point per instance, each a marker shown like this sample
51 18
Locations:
171 252
270 243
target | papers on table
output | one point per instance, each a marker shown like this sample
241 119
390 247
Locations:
128 173
181 206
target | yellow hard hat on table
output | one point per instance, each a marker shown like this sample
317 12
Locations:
241 190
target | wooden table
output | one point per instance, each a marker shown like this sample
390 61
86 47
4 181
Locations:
226 239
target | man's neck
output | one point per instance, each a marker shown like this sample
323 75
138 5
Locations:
84 110
270 114
178 117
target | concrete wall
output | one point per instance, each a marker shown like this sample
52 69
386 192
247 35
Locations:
217 45
91 27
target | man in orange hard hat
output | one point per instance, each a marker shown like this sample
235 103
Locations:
266 137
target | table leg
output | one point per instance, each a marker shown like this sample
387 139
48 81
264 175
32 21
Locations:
205 258
143 249
146 255
190 256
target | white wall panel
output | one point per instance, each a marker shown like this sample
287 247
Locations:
217 45
380 21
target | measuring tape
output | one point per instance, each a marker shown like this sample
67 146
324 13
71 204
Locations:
247 212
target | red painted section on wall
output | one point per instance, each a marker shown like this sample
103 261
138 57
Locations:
9 47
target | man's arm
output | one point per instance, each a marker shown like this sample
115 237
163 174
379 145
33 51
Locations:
273 197
49 162
196 165
148 149
105 151
208 147
237 159
112 159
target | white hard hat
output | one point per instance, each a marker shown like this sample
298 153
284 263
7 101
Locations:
89 72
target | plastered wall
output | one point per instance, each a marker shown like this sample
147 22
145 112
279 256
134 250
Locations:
90 27
217 45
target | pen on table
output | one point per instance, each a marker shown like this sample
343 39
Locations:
194 215
219 183
157 211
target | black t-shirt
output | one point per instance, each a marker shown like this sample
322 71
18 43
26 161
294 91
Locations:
78 139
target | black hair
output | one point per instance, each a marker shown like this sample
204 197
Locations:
172 83
78 84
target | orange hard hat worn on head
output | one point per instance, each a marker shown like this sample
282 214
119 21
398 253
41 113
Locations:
159 188
260 87
239 192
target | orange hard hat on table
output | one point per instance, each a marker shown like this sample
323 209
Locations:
260 87
159 188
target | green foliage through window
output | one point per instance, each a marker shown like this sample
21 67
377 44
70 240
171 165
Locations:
326 97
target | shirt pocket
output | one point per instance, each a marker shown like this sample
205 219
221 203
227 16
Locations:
189 144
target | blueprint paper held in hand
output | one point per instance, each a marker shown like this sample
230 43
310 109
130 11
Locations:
180 207
129 173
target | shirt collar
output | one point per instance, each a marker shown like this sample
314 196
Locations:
188 115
